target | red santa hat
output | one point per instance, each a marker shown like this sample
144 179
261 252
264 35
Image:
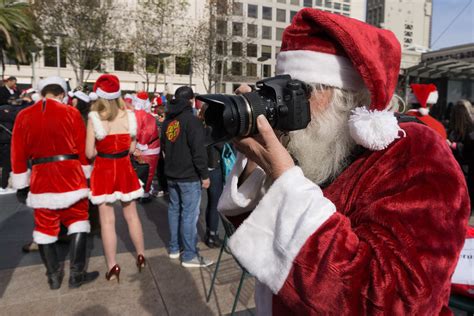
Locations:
337 51
107 87
423 94
141 101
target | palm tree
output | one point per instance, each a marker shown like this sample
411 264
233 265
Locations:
17 31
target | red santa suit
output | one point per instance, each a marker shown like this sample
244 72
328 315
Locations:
58 190
385 235
425 94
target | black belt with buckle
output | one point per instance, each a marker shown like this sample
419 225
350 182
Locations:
114 156
56 158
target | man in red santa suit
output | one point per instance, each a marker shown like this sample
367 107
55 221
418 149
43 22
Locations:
51 135
148 141
423 95
372 219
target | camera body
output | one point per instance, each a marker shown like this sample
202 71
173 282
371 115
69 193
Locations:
282 100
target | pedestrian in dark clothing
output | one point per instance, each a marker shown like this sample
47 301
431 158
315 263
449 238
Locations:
9 91
186 171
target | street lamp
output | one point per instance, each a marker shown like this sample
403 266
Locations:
223 62
33 52
58 49
262 59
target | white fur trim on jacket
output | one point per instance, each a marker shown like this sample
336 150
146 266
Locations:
374 130
56 201
312 67
43 239
79 227
236 199
21 180
268 241
87 169
108 95
132 123
142 147
116 196
99 129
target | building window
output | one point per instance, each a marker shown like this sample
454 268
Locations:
93 60
266 32
252 11
408 33
337 6
235 86
51 59
221 27
267 70
279 33
281 15
281 1
151 61
266 51
308 3
408 26
251 70
347 7
251 50
236 49
295 2
221 48
292 15
222 7
252 30
267 13
236 68
237 29
123 61
219 67
183 65
319 3
328 4
407 40
238 9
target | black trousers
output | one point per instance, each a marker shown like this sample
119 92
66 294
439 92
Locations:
213 194
5 163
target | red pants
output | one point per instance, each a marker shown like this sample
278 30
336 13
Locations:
152 161
47 222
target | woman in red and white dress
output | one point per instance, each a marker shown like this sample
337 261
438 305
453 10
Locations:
111 132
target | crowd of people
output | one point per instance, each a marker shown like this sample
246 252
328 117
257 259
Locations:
363 211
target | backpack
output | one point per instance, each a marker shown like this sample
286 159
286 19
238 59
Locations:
227 160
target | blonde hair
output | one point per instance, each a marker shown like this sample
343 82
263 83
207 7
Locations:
108 109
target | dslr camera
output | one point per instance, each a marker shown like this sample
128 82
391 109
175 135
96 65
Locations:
283 101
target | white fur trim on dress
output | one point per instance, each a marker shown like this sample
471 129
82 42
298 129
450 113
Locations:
268 241
132 123
116 196
21 180
43 239
56 201
317 67
87 169
151 151
237 199
108 95
142 147
99 129
79 227
373 129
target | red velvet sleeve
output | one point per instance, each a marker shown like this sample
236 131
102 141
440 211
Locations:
80 136
19 155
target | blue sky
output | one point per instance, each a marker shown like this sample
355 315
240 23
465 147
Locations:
461 31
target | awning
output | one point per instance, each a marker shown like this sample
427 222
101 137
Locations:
447 68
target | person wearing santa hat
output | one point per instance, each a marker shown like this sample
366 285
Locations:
82 101
371 220
111 132
148 140
421 97
51 135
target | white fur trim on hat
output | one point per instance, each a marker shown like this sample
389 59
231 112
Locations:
79 227
21 180
108 95
116 196
432 98
43 239
99 129
81 95
87 169
93 96
132 123
424 111
52 80
55 201
374 130
317 67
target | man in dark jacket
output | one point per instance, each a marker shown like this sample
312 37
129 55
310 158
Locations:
9 91
186 171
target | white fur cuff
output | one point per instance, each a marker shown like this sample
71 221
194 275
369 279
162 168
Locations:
79 227
43 239
116 196
20 180
87 171
269 240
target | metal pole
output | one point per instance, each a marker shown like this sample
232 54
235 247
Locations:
58 52
164 72
33 74
224 60
261 70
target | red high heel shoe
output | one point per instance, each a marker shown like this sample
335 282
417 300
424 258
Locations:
141 263
114 273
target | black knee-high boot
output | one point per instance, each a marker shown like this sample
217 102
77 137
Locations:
78 274
53 269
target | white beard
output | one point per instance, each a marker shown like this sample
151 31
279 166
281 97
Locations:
323 148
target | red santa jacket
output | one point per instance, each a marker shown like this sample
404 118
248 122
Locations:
430 121
43 131
147 133
383 238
